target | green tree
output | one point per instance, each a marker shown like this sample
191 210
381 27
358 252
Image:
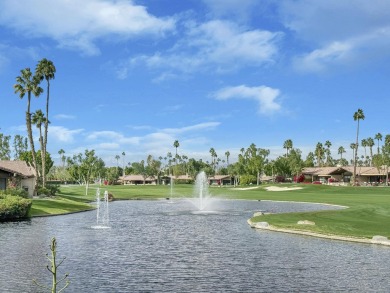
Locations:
5 150
83 167
28 84
359 115
20 146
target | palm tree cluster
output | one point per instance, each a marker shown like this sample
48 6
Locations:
29 83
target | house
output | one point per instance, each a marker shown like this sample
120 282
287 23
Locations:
221 180
343 174
137 180
17 174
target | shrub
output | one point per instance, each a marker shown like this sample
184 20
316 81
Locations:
280 179
49 190
247 179
14 207
15 192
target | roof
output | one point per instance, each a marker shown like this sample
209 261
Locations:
136 178
327 171
17 167
220 177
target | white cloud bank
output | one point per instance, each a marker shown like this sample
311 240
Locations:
339 33
78 24
266 97
211 46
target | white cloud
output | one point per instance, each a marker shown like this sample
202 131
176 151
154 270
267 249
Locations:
215 45
266 97
78 24
62 134
64 117
113 136
196 127
340 34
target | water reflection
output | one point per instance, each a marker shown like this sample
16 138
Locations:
161 246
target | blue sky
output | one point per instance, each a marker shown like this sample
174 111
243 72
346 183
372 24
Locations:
135 76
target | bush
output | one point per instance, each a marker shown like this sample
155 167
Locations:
49 190
247 179
15 192
14 207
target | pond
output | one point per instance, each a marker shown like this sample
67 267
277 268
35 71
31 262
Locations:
166 246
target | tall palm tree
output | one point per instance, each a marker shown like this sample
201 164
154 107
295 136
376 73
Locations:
353 147
378 137
341 150
61 152
28 84
328 144
176 144
117 157
319 153
123 164
357 116
227 154
213 154
288 144
38 118
45 69
370 144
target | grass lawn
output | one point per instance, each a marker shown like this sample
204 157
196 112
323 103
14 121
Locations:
368 211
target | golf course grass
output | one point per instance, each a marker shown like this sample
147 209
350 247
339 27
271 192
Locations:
367 213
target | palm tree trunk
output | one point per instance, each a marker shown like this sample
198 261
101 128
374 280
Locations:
31 140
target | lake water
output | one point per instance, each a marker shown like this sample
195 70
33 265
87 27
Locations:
165 246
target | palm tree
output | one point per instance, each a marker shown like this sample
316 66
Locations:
227 154
123 164
319 153
176 145
213 156
378 137
353 147
61 152
357 116
38 118
288 144
117 157
341 150
370 144
27 83
328 144
45 69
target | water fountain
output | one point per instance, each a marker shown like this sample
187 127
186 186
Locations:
102 215
202 198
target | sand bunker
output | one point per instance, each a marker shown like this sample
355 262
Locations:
277 188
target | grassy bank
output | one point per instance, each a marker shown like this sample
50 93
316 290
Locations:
368 213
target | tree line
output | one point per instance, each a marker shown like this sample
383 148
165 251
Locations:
250 164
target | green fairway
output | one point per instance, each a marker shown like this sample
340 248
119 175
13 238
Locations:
368 211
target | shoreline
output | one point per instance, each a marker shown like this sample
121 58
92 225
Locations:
318 235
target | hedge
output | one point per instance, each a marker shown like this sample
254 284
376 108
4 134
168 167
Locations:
14 207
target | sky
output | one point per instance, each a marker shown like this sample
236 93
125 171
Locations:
134 76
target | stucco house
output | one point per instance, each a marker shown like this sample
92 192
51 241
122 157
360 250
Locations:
137 180
343 174
220 180
17 174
